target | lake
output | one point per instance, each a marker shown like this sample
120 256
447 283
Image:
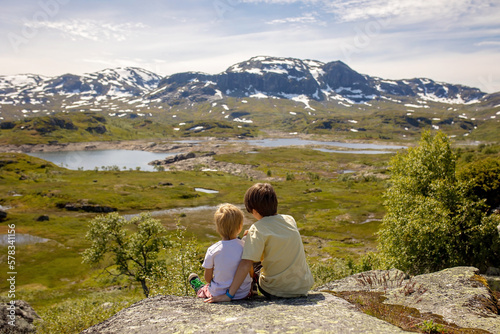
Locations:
279 142
89 160
133 159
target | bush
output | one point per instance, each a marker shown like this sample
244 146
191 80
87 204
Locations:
182 258
134 254
482 179
431 222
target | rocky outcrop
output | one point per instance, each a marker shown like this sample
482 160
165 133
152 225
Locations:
17 318
180 157
318 312
171 160
458 295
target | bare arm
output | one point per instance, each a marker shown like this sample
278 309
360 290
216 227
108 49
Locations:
239 277
209 273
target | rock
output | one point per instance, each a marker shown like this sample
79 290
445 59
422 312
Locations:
86 207
165 184
180 157
3 215
43 218
318 312
460 295
24 316
312 190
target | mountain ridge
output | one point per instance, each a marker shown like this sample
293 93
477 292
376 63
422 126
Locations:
124 91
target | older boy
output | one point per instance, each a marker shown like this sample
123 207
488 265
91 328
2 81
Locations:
275 241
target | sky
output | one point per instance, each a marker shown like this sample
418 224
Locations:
454 41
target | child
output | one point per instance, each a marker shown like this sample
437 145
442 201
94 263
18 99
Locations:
275 241
223 257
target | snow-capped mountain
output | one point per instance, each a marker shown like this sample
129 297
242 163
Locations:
290 78
259 77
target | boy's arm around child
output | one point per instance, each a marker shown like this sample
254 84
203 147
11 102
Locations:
240 275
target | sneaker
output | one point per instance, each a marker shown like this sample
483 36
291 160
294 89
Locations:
195 282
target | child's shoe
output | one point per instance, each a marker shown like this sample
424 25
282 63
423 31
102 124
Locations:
195 282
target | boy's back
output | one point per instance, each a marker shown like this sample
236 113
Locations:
275 240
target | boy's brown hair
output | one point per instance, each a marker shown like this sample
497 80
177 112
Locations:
262 198
228 220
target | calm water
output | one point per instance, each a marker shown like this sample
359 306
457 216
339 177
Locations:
299 142
353 152
89 160
124 159
21 239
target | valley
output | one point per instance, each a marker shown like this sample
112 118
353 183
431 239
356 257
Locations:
340 130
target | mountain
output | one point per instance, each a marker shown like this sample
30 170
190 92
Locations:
290 78
126 91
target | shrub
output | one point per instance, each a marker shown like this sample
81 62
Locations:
182 258
134 254
482 179
431 222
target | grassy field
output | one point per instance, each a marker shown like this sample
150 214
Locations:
338 214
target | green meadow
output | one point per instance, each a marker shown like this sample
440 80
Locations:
338 215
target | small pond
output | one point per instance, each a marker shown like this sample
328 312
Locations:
353 152
21 239
206 191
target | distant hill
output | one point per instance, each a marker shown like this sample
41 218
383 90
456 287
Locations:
262 91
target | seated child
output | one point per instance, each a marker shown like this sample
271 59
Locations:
274 240
223 257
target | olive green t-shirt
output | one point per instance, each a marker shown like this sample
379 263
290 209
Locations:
276 242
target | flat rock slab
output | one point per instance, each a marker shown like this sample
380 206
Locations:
460 295
318 312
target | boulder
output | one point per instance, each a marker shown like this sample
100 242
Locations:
3 215
318 312
43 218
459 296
24 316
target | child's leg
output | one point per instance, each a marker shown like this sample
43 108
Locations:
195 282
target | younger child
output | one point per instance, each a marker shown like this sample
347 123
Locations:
223 257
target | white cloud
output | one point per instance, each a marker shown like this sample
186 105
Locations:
295 20
90 29
488 43
282 1
410 10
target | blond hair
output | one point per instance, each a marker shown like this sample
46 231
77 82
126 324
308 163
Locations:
228 220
